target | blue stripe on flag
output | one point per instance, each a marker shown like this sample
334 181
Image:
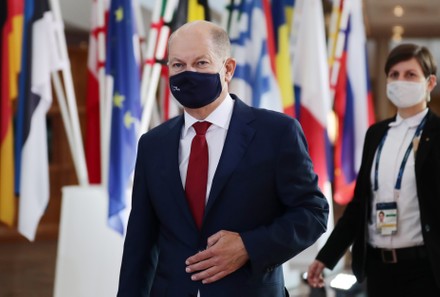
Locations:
24 90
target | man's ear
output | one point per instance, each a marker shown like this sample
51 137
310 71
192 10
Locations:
230 65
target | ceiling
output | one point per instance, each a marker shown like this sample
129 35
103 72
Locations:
420 18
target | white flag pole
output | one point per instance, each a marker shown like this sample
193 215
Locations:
148 97
66 117
140 29
148 58
336 44
78 148
151 47
333 29
106 127
103 92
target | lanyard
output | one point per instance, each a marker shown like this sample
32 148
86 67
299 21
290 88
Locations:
405 158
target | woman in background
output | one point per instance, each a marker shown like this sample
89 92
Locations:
399 177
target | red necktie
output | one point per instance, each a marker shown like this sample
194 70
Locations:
197 174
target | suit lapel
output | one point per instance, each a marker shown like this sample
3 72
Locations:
426 140
375 140
170 172
237 141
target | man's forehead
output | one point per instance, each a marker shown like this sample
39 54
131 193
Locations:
197 38
181 48
190 57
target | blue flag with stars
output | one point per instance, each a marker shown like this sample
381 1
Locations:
121 64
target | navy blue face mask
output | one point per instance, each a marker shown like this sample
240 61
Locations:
195 89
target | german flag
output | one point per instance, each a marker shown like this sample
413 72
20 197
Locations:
11 21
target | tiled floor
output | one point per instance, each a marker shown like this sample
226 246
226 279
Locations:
28 270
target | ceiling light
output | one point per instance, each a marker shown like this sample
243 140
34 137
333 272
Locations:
398 11
397 33
396 38
398 30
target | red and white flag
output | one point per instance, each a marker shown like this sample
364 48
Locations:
93 124
311 80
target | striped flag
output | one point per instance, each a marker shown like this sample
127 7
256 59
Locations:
282 58
191 10
312 94
122 66
34 186
252 45
353 104
12 27
289 7
311 81
24 89
93 124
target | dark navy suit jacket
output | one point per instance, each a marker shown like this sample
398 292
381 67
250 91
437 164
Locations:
264 188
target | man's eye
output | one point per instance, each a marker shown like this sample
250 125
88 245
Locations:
202 63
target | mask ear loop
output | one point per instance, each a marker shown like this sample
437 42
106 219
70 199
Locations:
428 96
223 65
221 68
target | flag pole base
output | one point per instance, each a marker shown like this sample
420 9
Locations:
89 252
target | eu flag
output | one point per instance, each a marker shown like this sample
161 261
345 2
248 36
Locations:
122 66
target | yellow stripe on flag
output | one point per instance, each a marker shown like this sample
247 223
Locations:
289 17
7 198
283 69
10 82
195 11
15 40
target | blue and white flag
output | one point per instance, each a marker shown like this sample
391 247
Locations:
254 80
43 59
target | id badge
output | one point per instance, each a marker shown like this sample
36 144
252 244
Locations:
386 218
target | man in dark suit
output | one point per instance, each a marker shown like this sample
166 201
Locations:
261 203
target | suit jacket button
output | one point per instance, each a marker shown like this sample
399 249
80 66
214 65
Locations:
427 228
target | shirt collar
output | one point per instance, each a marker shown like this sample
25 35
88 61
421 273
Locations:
220 117
411 122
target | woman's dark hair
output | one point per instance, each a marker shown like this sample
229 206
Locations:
407 51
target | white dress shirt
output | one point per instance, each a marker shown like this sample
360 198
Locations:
409 232
215 137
